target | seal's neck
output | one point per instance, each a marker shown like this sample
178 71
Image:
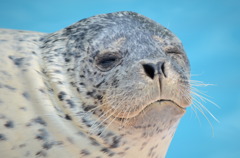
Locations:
147 135
138 141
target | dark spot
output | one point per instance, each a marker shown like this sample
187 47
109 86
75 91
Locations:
86 122
9 87
150 153
44 71
90 60
99 133
2 116
144 134
70 140
99 97
85 152
80 133
121 153
61 95
16 61
60 82
99 84
89 107
20 39
42 135
23 108
90 93
50 90
82 76
94 142
41 153
67 31
81 84
127 148
3 40
2 137
57 71
9 124
67 60
69 69
67 117
27 154
109 134
143 145
58 143
40 121
115 83
73 84
22 145
47 145
115 142
70 102
42 90
107 151
26 95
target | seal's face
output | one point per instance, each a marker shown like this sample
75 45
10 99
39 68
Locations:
136 62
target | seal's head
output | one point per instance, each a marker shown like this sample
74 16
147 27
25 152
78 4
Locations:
130 62
127 70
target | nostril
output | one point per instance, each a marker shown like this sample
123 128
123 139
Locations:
149 70
161 68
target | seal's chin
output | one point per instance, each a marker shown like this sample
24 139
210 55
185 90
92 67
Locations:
155 105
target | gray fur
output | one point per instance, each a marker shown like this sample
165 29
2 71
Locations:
112 85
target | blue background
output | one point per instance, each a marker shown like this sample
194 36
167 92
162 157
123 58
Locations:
210 32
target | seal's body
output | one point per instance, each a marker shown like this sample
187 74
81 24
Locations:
112 85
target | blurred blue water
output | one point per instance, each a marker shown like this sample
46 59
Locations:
210 32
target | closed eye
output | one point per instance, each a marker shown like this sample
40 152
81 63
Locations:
174 52
107 61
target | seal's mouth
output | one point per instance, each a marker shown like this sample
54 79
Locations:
163 100
141 110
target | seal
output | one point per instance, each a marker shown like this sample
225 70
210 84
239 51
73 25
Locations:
112 85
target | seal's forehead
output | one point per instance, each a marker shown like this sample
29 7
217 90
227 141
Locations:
119 23
134 20
101 31
128 24
124 21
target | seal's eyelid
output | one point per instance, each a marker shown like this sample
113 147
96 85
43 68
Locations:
107 61
174 52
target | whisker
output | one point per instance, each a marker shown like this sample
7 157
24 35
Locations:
195 112
205 99
207 110
203 113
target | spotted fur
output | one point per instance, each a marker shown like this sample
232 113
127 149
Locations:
59 97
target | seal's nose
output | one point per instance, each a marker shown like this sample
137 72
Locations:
152 69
